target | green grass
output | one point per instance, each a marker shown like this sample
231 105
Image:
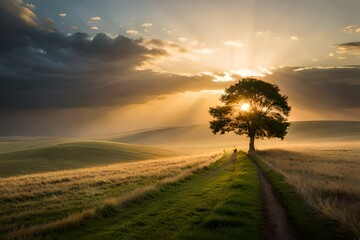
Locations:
75 155
37 200
221 201
308 222
12 145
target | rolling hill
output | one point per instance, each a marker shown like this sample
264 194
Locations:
201 134
75 155
23 156
22 143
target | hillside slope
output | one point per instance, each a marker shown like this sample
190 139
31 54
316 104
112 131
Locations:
23 143
201 134
75 155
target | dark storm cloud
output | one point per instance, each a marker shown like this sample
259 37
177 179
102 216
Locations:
42 68
350 44
331 89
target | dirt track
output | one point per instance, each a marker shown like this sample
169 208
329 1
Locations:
277 224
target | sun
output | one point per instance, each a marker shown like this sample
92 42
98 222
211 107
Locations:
245 107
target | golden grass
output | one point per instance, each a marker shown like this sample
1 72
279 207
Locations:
34 204
328 177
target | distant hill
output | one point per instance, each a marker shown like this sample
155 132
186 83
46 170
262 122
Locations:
75 155
201 134
324 130
23 143
30 155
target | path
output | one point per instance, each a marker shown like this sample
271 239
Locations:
277 225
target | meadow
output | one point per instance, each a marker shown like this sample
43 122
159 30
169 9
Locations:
11 144
326 175
220 201
102 188
34 156
32 201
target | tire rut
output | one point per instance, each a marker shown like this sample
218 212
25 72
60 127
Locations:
277 225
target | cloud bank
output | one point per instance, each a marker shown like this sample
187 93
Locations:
52 78
42 68
322 90
352 48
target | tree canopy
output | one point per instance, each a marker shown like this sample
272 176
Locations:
254 108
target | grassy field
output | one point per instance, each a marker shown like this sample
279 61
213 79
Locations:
326 175
50 187
33 201
23 143
221 201
74 155
307 221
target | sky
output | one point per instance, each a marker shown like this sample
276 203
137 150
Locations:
89 67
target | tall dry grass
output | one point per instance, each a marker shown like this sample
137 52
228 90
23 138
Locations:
37 203
328 176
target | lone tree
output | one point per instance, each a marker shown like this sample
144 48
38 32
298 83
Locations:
254 108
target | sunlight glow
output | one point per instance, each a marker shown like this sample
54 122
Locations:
245 107
234 74
259 72
213 91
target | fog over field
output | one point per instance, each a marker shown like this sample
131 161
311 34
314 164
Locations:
200 135
20 155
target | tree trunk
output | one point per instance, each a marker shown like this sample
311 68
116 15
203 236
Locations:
252 144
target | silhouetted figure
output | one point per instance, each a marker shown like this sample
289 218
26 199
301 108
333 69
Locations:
235 150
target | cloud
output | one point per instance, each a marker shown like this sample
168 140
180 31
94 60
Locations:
331 55
351 29
224 77
151 43
167 31
49 25
62 14
352 48
13 15
265 34
234 75
234 43
147 25
205 51
321 68
97 18
94 28
182 39
133 33
55 72
324 91
294 38
30 6
50 70
350 44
